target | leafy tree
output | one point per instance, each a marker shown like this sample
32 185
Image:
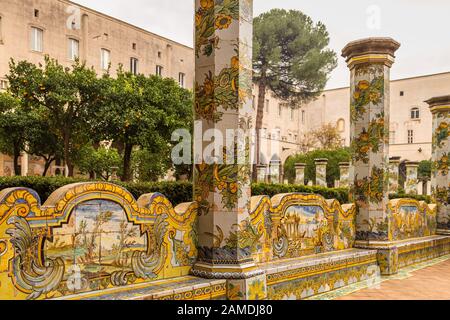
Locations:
149 166
66 94
142 112
328 137
334 158
43 141
290 58
425 170
15 121
101 162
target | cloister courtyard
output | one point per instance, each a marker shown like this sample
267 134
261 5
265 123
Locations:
136 167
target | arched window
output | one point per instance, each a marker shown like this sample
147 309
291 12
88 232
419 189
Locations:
415 113
341 125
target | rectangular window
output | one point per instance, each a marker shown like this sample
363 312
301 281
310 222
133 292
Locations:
37 36
3 85
292 114
159 71
392 137
280 110
264 133
267 105
181 77
105 59
134 65
74 49
1 33
303 116
410 136
254 102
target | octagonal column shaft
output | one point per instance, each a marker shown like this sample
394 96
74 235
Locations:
223 111
440 179
394 173
412 178
300 173
275 171
321 172
344 172
369 61
261 176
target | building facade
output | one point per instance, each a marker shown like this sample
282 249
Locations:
31 29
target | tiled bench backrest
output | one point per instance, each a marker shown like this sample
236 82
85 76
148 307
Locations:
411 219
88 237
297 225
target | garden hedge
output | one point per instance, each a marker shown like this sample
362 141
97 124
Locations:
178 192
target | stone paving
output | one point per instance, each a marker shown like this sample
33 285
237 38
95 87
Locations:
425 281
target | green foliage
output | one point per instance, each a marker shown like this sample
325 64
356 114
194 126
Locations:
334 158
290 58
273 189
62 113
15 121
101 162
177 192
425 170
402 195
148 166
65 97
141 113
290 54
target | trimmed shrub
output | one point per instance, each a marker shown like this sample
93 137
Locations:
271 190
334 158
427 199
179 192
176 192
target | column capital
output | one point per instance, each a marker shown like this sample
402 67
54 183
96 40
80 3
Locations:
321 161
439 104
412 164
344 164
300 165
394 159
371 50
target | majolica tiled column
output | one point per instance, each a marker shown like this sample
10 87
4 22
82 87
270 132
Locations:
440 179
370 61
321 172
223 100
394 173
261 174
300 173
344 171
412 180
275 171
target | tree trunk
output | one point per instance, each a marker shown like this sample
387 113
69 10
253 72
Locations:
48 163
67 154
16 161
127 162
259 121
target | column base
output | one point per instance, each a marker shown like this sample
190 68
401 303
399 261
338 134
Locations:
233 272
244 281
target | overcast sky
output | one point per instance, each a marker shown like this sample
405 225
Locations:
421 26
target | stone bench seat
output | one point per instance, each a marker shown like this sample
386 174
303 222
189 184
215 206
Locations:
181 288
300 278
